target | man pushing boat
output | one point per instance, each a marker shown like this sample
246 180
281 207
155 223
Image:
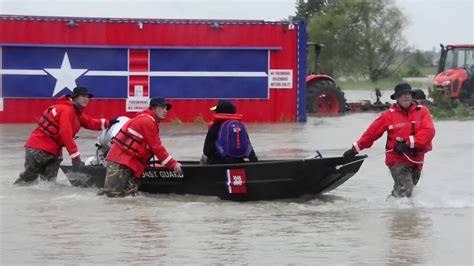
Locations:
410 131
132 148
56 129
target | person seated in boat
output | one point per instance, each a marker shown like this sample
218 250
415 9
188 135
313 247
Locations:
410 131
57 128
135 143
227 140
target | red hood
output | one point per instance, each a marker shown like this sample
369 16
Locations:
398 108
151 113
451 74
66 99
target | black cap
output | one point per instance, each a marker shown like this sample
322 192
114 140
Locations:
419 95
400 89
224 107
81 91
155 102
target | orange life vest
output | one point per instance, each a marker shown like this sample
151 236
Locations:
48 124
132 141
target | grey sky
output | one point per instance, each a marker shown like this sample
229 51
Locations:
430 21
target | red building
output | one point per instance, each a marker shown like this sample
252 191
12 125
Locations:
260 66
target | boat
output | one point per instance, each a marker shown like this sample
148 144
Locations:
263 180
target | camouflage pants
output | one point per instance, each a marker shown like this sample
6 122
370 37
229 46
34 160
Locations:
39 163
119 181
405 178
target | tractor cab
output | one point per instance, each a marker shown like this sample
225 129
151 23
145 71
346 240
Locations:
456 72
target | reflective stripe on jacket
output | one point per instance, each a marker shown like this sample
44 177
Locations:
137 141
415 127
59 124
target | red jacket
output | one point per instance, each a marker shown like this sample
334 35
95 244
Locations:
136 143
59 124
415 127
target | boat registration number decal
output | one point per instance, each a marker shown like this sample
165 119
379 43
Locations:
236 181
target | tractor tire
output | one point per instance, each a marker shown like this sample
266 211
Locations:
324 97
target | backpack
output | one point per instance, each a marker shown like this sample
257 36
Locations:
233 140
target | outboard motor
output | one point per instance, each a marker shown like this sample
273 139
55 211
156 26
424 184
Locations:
105 138
105 142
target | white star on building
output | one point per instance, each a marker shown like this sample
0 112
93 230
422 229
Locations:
65 76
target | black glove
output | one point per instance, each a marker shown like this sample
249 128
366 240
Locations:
76 162
113 120
349 153
401 147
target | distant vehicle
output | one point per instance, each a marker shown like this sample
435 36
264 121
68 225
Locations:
323 96
455 76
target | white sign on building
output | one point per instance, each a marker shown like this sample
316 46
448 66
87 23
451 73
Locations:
281 79
138 102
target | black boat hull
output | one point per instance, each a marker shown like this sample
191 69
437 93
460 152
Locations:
264 180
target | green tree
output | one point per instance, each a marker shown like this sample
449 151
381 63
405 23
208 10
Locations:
305 9
361 37
420 59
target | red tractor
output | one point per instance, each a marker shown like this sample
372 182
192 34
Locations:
455 77
323 96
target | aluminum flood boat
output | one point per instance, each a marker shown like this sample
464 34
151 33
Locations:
263 180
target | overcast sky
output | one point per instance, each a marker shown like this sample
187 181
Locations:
430 21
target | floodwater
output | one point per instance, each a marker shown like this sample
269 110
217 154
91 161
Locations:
54 223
